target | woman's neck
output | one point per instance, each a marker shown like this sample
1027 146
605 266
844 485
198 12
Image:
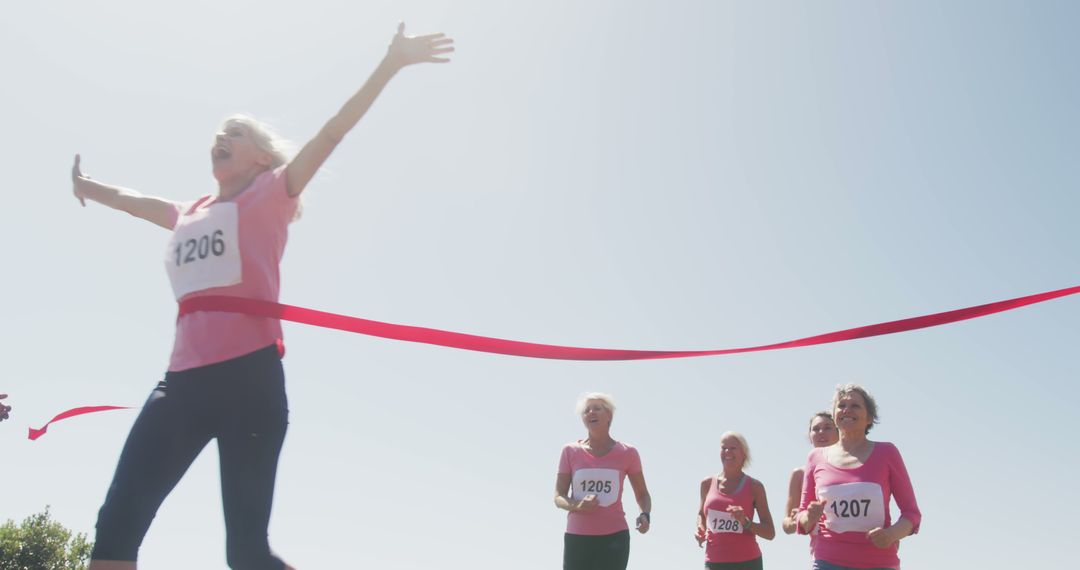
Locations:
852 441
731 473
232 186
599 438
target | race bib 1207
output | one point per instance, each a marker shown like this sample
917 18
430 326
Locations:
204 250
853 506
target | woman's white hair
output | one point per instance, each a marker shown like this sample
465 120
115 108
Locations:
742 443
269 141
264 137
605 399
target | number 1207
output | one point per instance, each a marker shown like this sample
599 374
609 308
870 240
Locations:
850 509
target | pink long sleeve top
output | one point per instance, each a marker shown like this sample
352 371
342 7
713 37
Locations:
857 501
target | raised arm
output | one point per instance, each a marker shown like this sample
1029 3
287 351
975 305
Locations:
904 494
644 500
404 50
700 533
810 507
764 527
158 211
791 510
562 496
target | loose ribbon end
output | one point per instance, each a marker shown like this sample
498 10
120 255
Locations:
36 433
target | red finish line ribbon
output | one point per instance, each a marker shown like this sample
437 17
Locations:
463 341
36 433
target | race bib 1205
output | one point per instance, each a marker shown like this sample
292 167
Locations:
604 483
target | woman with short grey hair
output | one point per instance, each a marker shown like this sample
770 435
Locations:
589 486
847 488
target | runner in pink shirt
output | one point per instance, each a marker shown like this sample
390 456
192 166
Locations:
225 380
822 433
847 489
590 486
725 521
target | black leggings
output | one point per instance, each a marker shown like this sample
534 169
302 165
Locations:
605 552
754 564
241 402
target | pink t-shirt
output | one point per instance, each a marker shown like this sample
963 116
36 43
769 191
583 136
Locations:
600 476
725 539
263 212
857 502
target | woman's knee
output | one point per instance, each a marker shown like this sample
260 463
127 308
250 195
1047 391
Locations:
120 531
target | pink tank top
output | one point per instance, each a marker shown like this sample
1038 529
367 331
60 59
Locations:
259 217
726 539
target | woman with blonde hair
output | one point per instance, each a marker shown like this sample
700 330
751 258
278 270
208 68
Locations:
589 486
224 379
725 521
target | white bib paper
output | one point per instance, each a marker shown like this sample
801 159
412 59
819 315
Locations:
853 506
720 522
204 251
604 483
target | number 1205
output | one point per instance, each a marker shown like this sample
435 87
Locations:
596 486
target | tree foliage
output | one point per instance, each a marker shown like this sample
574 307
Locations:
41 543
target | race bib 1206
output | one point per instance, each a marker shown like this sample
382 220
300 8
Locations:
853 506
604 483
204 250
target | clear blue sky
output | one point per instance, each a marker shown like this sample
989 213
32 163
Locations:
678 174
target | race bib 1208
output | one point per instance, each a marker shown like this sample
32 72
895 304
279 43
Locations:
721 522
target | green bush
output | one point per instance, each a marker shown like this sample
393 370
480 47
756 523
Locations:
41 543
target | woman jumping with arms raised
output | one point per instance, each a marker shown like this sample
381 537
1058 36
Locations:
225 379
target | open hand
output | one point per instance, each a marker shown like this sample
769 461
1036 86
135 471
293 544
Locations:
76 178
407 50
